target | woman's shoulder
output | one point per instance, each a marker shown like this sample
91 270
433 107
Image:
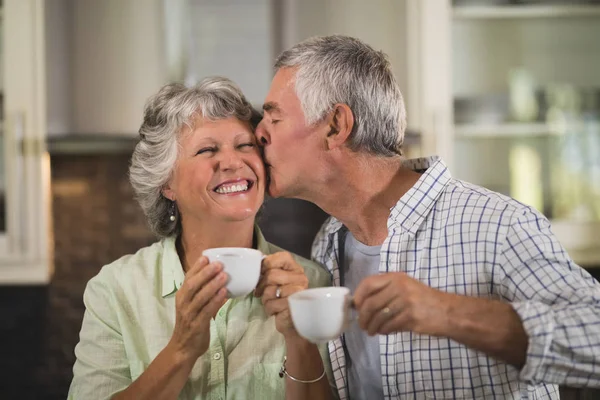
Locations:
132 269
317 274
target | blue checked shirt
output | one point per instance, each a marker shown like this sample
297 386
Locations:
464 239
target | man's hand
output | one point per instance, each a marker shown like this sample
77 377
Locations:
395 302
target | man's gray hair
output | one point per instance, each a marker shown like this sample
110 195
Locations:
166 113
341 69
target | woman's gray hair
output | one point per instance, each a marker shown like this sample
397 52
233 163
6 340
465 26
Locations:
341 69
166 114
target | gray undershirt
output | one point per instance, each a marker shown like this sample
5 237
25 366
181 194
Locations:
364 365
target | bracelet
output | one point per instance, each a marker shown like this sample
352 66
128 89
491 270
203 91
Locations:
283 372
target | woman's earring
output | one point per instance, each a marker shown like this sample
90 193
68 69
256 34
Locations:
172 216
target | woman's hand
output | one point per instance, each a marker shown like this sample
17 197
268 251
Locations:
280 274
198 300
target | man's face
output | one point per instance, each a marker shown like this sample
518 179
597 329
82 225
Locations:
291 148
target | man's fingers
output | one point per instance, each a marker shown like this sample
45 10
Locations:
369 286
369 311
379 317
397 323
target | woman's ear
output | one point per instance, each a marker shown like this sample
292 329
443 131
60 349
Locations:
341 123
168 193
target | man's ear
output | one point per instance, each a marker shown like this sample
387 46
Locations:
340 123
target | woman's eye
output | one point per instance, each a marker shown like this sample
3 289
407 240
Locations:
274 121
206 150
249 144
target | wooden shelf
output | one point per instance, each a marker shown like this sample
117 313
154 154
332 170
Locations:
516 129
525 11
502 130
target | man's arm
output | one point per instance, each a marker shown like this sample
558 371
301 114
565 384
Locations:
547 323
557 302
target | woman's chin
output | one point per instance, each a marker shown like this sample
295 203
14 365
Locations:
240 215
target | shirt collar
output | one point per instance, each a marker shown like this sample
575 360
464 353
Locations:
414 205
172 270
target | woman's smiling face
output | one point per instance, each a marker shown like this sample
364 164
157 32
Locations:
219 174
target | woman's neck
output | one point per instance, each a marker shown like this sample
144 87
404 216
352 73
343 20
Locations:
194 240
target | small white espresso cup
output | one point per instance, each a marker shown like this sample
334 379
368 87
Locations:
242 265
321 314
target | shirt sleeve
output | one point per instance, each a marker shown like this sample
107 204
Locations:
558 303
101 368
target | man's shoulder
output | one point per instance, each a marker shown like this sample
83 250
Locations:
464 201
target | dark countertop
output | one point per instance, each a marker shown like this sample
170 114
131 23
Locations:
82 144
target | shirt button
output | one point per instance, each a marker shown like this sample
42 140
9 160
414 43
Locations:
217 356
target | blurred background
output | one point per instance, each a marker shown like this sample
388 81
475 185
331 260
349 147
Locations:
507 92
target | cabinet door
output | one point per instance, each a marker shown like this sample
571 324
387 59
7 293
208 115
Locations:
509 96
24 181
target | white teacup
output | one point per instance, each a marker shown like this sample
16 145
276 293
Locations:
321 314
242 265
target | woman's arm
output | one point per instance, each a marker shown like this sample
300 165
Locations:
304 363
102 370
164 378
281 277
198 300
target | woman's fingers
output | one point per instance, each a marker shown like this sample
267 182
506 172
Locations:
208 292
278 277
211 308
197 277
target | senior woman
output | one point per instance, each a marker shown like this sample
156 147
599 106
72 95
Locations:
158 324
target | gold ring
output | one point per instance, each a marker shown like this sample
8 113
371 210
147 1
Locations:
386 311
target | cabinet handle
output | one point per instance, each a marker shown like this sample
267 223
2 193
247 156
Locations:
15 189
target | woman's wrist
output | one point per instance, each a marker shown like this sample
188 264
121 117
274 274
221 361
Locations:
295 341
179 357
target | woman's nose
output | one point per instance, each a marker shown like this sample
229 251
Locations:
230 160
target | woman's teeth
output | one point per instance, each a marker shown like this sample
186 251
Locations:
232 188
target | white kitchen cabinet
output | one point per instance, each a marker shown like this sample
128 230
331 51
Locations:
25 235
509 95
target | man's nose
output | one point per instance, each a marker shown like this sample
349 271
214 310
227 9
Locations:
262 135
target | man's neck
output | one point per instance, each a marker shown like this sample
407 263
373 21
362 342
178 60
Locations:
198 236
361 193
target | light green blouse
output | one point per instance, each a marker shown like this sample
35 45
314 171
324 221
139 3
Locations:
130 316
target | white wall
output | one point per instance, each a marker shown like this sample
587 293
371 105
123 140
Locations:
380 23
106 57
118 62
58 28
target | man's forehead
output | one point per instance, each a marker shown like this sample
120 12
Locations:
282 91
